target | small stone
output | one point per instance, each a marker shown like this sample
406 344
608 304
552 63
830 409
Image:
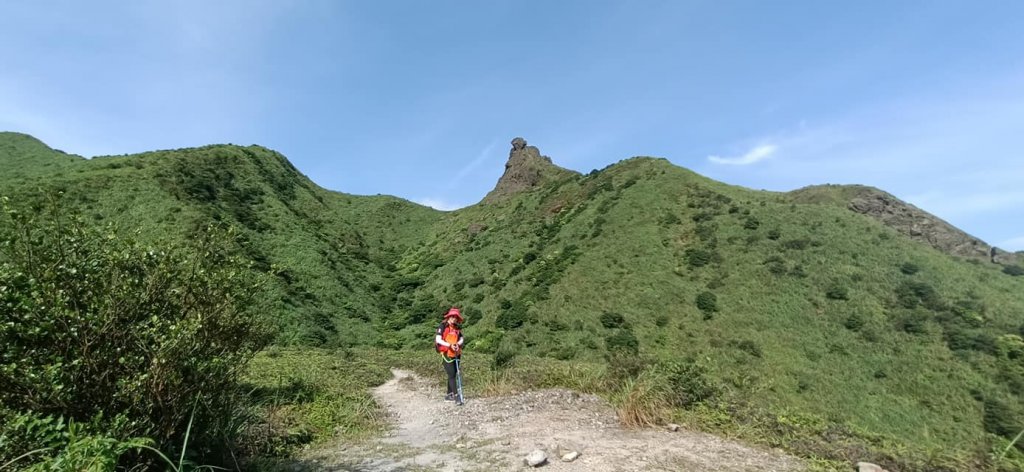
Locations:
460 446
869 467
570 456
673 427
536 458
506 443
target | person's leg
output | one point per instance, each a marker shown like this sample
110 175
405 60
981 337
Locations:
449 368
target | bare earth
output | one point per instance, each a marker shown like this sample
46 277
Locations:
497 433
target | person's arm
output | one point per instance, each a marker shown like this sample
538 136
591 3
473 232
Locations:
438 339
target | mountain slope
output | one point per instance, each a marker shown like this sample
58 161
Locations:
791 303
328 250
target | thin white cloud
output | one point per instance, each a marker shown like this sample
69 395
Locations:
757 154
1012 244
472 165
439 204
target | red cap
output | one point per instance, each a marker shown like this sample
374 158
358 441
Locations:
453 312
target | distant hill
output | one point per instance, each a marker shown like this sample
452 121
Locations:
839 302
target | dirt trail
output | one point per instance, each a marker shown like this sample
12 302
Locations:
497 433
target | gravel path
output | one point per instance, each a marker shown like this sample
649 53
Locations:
497 433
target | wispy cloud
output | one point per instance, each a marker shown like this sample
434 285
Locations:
439 204
757 154
475 163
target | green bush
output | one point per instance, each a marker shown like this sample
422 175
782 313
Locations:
622 340
707 302
910 294
750 347
909 268
688 382
837 291
512 317
913 322
96 323
1000 419
1014 270
751 223
696 257
611 320
854 322
624 365
774 234
504 356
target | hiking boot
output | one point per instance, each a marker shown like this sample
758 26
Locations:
450 397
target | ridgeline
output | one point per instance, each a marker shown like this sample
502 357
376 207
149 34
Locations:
835 312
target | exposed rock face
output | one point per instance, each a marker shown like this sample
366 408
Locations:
525 170
911 221
918 224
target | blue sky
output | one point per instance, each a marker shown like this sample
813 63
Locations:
420 99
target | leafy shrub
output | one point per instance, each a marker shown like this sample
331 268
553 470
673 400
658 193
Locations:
624 365
669 219
696 257
854 322
611 320
512 317
751 223
702 216
837 291
688 382
1000 419
622 340
661 321
471 315
910 294
777 268
913 322
1014 270
707 302
96 323
706 231
774 234
909 268
749 347
798 271
504 356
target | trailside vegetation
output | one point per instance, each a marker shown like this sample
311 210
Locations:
793 322
114 349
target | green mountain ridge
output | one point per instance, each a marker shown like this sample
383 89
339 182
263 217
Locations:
798 302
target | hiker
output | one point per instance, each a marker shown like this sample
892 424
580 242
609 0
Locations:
448 341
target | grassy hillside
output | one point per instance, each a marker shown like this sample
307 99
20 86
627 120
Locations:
806 313
328 251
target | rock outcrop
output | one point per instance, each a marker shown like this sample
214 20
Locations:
525 170
905 218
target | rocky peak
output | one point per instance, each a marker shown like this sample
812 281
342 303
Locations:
911 221
525 170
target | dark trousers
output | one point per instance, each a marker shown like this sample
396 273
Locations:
449 368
